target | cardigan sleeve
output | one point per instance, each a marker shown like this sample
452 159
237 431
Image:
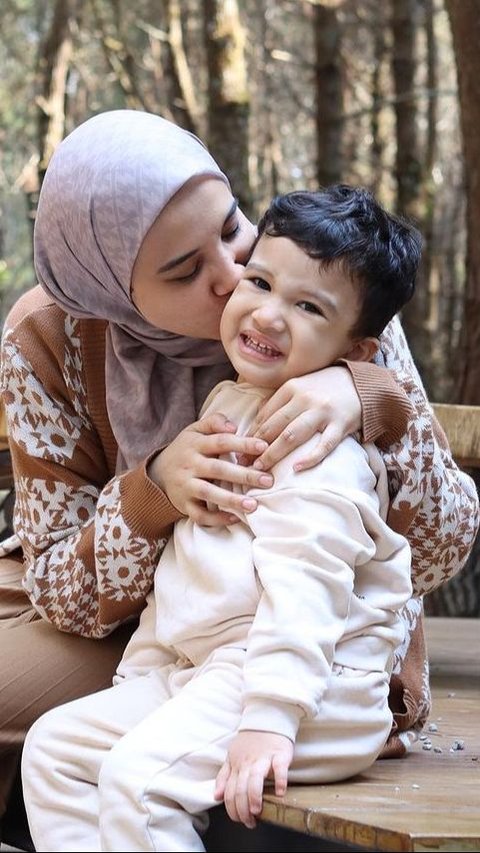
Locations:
386 408
90 540
433 502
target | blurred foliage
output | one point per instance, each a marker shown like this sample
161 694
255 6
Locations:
126 55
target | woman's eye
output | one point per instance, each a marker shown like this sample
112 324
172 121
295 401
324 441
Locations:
260 283
190 276
310 308
230 235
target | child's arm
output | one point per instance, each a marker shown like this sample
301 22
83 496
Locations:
313 533
316 536
252 757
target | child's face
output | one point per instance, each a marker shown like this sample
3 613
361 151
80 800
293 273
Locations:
286 316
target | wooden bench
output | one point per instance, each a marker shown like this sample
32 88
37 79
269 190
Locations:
426 802
430 800
462 427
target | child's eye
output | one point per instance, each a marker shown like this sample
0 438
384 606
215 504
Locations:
260 283
310 308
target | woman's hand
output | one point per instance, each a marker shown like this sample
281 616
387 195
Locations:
326 402
184 469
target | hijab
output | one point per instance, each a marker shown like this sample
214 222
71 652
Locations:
104 187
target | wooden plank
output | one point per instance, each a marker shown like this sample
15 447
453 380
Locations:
453 647
428 801
462 427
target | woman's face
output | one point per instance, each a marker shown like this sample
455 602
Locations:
191 260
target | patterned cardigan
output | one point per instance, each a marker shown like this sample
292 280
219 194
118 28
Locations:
91 540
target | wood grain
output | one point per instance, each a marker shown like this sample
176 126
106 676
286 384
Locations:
427 801
462 426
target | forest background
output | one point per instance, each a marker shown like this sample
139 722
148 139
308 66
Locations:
286 94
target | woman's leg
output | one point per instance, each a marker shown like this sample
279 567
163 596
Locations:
41 668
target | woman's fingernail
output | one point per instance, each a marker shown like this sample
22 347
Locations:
265 480
261 446
249 504
258 464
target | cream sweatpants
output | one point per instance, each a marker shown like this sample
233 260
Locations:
133 767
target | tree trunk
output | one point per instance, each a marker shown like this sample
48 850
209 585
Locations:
117 54
265 150
431 144
328 92
228 106
465 24
53 65
408 169
461 595
377 148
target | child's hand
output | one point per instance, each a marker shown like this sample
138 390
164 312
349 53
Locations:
252 757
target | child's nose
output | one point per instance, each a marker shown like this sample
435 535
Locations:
269 318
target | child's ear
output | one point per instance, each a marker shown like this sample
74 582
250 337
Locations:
363 350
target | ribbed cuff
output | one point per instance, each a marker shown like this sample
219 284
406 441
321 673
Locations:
386 409
282 718
145 507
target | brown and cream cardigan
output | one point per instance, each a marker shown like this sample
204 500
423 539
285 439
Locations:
91 540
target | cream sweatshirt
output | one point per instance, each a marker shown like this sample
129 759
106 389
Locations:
313 577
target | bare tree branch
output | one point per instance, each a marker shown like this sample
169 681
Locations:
180 65
120 59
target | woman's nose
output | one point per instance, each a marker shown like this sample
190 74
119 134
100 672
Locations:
227 275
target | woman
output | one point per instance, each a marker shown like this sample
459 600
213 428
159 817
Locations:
106 365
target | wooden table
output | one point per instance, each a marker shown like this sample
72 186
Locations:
428 801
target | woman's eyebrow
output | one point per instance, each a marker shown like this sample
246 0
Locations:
232 210
175 262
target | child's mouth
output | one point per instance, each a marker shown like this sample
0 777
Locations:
252 345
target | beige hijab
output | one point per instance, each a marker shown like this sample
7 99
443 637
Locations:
105 186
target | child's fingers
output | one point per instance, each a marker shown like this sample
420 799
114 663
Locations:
280 766
221 781
255 789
